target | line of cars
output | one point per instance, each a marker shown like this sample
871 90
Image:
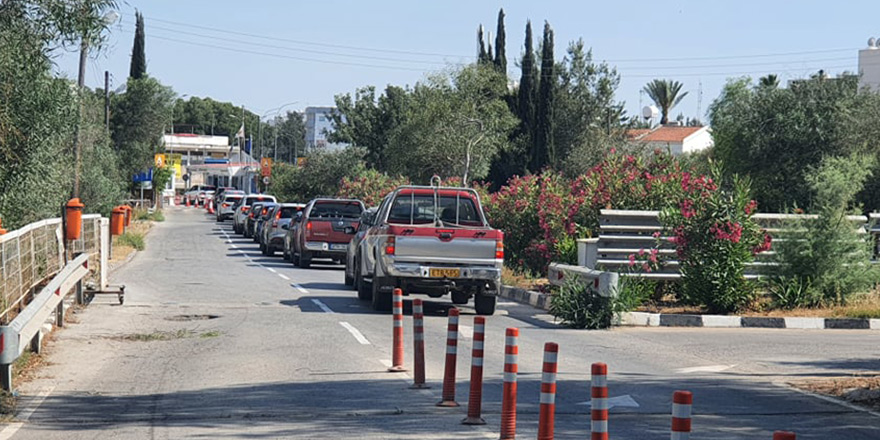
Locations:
428 240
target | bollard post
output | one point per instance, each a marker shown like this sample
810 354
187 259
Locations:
547 410
475 397
59 315
784 435
418 345
681 415
599 401
451 355
6 377
508 399
397 316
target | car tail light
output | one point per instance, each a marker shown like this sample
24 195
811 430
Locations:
308 227
277 216
251 215
499 249
245 209
389 246
225 205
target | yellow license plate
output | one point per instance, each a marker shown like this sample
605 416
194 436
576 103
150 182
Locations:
445 273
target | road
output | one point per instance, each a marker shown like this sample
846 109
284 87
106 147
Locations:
217 341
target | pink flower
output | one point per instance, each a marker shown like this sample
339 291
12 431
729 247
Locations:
656 234
750 208
646 267
632 260
641 252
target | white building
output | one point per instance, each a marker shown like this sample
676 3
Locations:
869 65
676 139
318 126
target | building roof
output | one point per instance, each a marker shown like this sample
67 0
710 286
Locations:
636 133
669 134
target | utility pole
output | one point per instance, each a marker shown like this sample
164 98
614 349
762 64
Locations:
80 84
107 99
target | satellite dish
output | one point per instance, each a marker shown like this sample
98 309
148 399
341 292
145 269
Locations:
650 112
872 42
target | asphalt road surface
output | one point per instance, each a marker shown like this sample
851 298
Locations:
217 341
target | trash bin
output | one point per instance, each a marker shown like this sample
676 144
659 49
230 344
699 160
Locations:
73 219
2 231
117 221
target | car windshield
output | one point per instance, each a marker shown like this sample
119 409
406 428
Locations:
336 209
251 200
289 211
208 188
419 209
232 199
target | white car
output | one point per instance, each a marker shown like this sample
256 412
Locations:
196 194
244 206
226 205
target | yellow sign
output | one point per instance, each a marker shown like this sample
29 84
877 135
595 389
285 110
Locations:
266 166
159 159
300 161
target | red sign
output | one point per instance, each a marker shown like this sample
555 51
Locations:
266 166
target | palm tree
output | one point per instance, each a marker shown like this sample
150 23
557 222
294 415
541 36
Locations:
770 81
665 93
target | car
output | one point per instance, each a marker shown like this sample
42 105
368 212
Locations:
353 245
321 231
242 208
221 191
262 219
430 240
250 221
272 238
226 204
196 194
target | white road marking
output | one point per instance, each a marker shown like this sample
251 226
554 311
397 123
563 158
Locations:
234 246
271 270
624 401
284 277
300 288
507 303
322 305
705 369
466 332
23 416
385 362
357 334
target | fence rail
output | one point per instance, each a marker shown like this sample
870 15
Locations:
34 253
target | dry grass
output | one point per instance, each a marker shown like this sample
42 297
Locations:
859 390
121 250
524 281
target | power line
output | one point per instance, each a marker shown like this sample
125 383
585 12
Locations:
730 57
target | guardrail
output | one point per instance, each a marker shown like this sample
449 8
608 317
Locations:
25 328
33 253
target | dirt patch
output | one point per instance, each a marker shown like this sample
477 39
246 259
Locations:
122 251
863 391
511 278
184 318
166 336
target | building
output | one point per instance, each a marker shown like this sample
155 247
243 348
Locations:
184 151
869 65
674 138
318 126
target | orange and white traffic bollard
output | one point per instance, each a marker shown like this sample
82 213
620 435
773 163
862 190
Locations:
397 314
508 399
451 355
681 415
599 401
475 397
547 411
784 435
418 345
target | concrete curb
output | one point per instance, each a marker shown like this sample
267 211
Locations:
644 319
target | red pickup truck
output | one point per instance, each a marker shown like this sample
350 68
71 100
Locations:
430 240
322 231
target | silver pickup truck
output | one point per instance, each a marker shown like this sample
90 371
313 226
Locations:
433 241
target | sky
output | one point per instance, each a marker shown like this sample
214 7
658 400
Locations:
272 53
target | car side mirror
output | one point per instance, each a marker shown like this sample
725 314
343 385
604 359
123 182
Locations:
285 226
349 230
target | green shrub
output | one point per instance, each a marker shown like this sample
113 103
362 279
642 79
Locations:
155 216
577 305
827 256
132 239
791 292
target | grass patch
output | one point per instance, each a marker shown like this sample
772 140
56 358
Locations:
155 216
131 239
210 334
157 336
526 281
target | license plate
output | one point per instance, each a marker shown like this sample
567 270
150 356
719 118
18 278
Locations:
338 247
444 273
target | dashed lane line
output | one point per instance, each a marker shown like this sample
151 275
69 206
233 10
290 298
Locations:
284 277
355 332
322 306
300 288
271 270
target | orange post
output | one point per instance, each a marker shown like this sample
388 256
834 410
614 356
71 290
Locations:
397 333
784 435
451 355
73 215
117 221
475 397
508 399
2 231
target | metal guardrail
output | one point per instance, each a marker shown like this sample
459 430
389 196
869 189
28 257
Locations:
33 253
25 328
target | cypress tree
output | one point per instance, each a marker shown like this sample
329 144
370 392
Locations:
500 49
481 56
138 57
527 89
543 149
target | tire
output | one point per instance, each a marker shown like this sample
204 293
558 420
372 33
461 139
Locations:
485 304
305 261
294 258
459 297
246 232
381 300
349 281
285 254
270 251
364 289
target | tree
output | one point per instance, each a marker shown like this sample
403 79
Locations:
137 123
483 55
543 150
456 123
367 122
666 94
770 81
500 49
138 57
289 132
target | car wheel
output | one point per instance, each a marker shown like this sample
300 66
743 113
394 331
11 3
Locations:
246 232
294 258
305 260
485 304
381 300
285 254
349 280
270 251
364 289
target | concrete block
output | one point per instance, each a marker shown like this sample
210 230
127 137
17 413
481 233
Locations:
763 322
847 323
721 321
805 323
635 319
681 321
875 324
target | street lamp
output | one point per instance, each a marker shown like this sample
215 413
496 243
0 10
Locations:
108 19
274 110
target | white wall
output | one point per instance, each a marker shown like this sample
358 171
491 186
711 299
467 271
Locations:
869 69
698 141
